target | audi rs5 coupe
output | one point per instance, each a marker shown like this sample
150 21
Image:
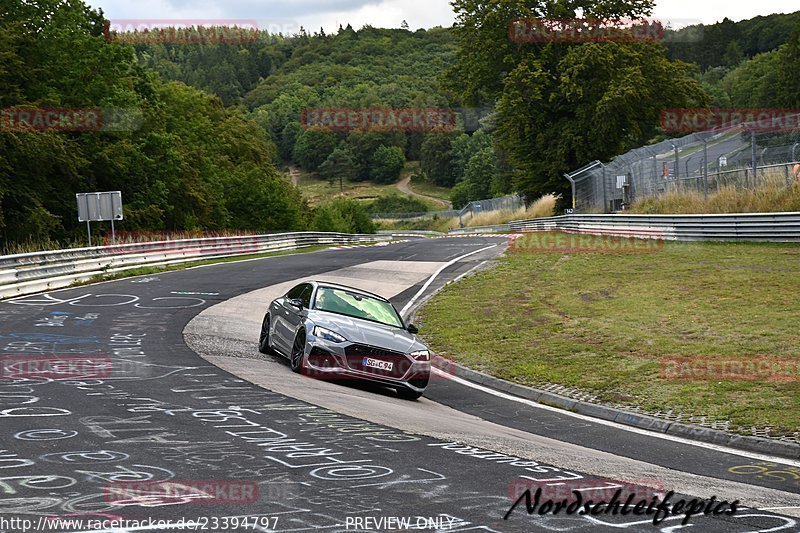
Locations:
333 331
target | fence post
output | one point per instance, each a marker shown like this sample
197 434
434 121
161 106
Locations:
605 194
705 169
753 155
656 177
572 181
677 169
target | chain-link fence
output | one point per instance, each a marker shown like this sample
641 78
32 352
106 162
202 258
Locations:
703 162
505 203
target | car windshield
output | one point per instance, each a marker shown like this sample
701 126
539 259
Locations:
356 305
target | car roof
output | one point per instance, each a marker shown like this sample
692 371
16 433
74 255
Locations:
348 288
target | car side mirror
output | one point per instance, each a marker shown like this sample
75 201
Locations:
412 329
296 302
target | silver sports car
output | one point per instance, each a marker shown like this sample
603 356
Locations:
333 331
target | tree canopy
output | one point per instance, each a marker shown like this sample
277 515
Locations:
180 157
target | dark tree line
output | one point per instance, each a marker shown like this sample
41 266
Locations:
188 162
213 120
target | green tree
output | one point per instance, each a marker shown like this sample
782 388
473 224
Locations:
754 82
435 158
788 82
288 140
387 164
180 157
479 175
560 105
340 165
313 147
364 144
463 148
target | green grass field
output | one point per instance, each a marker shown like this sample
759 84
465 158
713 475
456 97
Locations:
428 188
318 191
605 323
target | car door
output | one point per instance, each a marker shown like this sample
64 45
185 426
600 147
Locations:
282 330
295 316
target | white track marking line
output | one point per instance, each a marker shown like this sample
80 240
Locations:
777 508
631 429
468 272
436 274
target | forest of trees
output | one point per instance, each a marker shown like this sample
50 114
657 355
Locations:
364 69
368 68
752 63
192 164
218 119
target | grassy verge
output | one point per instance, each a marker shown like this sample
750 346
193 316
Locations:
318 191
150 270
606 322
775 196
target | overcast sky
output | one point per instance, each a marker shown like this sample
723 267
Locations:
313 14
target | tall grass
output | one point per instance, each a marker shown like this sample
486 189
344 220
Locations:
729 199
122 237
31 246
543 207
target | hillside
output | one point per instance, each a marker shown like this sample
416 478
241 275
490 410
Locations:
278 78
728 43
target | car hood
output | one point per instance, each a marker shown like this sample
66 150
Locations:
365 332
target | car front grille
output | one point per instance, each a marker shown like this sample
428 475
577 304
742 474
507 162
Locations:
356 353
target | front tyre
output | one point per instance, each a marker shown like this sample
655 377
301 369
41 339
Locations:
298 352
263 339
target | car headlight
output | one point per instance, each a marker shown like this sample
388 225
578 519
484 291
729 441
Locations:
328 335
421 355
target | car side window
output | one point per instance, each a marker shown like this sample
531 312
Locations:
305 295
296 291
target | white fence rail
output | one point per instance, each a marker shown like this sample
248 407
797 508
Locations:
759 227
29 273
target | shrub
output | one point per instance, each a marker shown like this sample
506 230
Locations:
342 215
396 203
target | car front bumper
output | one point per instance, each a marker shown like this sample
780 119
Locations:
329 361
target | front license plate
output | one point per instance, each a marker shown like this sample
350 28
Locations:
380 365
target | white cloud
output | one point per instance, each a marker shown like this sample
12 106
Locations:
313 14
711 11
388 14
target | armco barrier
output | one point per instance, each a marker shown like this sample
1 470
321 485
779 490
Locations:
40 271
759 227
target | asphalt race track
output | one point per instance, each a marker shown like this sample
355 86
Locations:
282 452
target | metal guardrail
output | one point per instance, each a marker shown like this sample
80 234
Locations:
758 227
509 203
29 273
410 233
501 228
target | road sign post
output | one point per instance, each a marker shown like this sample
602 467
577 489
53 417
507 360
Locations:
98 207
